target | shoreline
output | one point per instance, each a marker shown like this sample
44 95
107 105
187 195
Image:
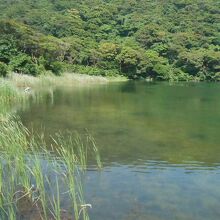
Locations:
66 79
16 88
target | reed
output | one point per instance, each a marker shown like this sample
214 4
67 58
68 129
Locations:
28 169
49 80
9 97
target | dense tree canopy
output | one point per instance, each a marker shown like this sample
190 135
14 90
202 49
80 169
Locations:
164 40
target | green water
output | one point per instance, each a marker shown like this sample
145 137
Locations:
159 142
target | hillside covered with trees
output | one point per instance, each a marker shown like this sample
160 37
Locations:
164 40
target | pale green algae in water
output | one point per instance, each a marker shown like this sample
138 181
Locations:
159 143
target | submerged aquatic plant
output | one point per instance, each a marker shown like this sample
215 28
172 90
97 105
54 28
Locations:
34 178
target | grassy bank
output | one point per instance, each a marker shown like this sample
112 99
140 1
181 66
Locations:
66 79
36 178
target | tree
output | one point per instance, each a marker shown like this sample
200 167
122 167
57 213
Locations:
137 38
128 59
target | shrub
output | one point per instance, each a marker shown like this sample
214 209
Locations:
23 63
3 69
94 71
163 71
56 67
179 75
216 76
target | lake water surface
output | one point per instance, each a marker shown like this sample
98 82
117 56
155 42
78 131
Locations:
159 143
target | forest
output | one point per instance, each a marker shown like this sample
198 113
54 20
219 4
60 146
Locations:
177 40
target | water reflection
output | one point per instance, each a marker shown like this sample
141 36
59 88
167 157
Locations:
159 144
156 193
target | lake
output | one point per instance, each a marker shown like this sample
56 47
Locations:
159 144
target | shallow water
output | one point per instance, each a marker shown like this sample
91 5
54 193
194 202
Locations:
159 143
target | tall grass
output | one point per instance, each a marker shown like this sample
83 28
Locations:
49 80
32 174
13 97
9 96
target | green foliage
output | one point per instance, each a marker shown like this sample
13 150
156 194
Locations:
7 49
22 63
151 34
3 69
56 67
216 77
128 60
164 40
200 62
163 71
94 71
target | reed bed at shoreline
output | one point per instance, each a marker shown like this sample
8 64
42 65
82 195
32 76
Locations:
66 79
9 93
33 179
10 96
16 88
